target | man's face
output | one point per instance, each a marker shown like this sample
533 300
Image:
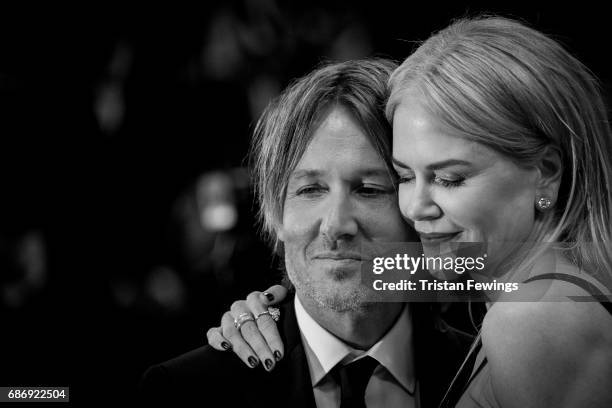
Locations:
340 202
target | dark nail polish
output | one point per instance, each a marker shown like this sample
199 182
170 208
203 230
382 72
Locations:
277 355
252 361
269 296
268 364
225 345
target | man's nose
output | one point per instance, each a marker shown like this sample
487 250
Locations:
418 204
339 220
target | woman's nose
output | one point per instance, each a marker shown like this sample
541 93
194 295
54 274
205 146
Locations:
417 204
339 220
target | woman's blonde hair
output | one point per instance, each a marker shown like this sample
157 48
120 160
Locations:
498 82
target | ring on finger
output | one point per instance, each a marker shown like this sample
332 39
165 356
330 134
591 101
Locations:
243 318
273 312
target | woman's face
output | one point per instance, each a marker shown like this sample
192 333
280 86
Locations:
455 190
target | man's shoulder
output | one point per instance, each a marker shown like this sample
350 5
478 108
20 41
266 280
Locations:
199 374
193 375
198 363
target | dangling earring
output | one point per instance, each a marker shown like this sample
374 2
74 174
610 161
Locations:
543 203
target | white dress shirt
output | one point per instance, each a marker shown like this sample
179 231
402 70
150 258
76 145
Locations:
392 384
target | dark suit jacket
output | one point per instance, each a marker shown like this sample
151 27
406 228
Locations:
207 377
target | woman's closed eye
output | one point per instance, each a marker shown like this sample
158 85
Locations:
444 181
405 178
449 182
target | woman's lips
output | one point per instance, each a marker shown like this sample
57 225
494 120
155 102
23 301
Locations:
437 237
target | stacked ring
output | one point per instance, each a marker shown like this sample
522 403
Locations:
242 319
273 312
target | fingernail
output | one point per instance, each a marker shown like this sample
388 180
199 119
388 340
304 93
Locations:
268 364
269 296
225 345
277 355
252 361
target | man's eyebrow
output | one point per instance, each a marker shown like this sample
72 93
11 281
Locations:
366 172
375 172
305 173
435 166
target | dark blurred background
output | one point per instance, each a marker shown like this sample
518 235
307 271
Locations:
126 218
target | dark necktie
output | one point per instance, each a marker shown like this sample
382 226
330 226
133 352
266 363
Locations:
354 379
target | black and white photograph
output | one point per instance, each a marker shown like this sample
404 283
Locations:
258 203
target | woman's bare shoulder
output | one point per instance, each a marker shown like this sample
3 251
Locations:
547 353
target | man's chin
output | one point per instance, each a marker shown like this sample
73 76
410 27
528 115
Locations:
342 297
342 273
335 288
344 303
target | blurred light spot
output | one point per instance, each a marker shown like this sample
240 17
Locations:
216 202
221 55
33 259
165 287
109 107
219 217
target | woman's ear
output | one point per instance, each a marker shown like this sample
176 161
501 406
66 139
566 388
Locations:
550 170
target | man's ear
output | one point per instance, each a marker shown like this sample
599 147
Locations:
280 233
279 242
550 170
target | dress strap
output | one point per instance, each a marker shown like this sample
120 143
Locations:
464 377
583 283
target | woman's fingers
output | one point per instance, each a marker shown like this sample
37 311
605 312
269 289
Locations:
239 346
273 295
266 325
251 334
216 339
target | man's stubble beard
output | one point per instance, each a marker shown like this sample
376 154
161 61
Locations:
333 297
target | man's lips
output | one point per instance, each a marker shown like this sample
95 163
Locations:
339 256
436 237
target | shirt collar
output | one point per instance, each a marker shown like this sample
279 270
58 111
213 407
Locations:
324 350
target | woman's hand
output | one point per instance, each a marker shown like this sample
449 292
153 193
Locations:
257 340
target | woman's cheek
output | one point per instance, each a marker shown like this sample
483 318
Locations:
467 212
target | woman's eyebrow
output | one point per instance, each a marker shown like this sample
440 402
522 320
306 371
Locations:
434 166
399 163
447 163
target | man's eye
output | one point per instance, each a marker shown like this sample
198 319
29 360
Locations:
310 190
370 191
449 183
